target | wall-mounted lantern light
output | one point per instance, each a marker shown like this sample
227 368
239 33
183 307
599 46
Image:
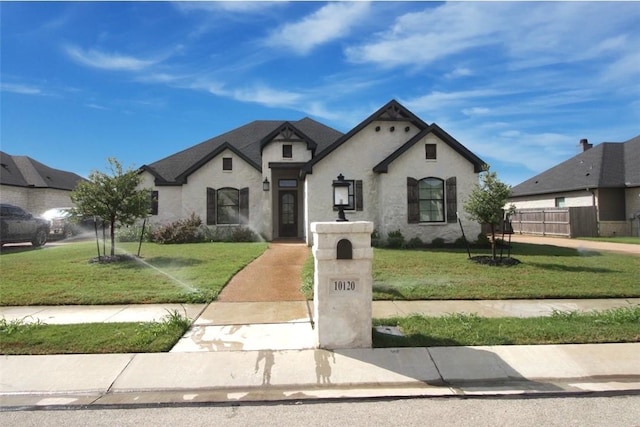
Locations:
341 196
265 184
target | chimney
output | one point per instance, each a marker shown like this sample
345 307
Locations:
585 144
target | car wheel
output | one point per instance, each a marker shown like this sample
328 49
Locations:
68 232
40 238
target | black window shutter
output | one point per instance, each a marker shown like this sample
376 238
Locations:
211 206
452 199
413 202
359 204
244 205
154 202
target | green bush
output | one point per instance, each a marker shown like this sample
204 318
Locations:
438 242
483 240
395 240
238 233
131 233
415 243
190 230
376 241
460 242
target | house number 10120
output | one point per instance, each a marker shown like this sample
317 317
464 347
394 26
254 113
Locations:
344 285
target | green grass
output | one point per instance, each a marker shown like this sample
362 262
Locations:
91 338
545 272
627 240
618 325
165 273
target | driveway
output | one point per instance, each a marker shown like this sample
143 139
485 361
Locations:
624 248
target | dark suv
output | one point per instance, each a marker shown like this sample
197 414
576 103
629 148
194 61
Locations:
19 226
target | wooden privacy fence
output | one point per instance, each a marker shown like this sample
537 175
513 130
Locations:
568 222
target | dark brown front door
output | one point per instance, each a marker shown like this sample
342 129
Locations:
288 214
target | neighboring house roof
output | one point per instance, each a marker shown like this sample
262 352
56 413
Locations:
246 141
23 171
607 165
478 164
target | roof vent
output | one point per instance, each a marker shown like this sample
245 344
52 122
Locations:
584 143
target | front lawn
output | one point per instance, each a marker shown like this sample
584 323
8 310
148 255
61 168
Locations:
92 338
545 272
60 275
618 325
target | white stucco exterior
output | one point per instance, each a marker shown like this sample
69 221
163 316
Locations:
300 179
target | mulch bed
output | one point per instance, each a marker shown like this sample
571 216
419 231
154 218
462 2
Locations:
498 262
107 259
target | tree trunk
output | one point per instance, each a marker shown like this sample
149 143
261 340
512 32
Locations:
112 233
493 241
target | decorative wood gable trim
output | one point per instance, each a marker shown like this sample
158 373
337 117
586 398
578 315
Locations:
392 111
288 132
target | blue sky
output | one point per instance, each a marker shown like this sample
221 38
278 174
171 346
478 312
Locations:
518 83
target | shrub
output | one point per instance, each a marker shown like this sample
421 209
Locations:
483 240
460 242
395 239
190 230
233 234
438 242
376 242
414 243
131 233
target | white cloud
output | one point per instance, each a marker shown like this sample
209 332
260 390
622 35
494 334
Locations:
476 111
330 22
458 72
266 96
529 34
20 89
228 6
107 61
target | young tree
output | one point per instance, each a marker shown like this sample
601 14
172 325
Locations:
487 201
114 197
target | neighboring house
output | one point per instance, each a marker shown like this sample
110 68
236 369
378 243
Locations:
276 177
605 177
33 186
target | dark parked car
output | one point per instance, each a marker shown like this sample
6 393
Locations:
19 226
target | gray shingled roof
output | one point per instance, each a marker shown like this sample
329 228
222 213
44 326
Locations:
607 165
244 141
23 171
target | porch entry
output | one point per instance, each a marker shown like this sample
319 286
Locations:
288 213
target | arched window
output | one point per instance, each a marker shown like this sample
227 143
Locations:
431 199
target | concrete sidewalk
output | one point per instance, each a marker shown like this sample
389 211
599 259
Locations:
187 378
237 313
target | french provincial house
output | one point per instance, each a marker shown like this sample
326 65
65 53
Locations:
34 186
605 177
276 177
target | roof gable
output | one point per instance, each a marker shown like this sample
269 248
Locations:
288 132
607 165
391 111
477 163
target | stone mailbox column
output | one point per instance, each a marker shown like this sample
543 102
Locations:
342 284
